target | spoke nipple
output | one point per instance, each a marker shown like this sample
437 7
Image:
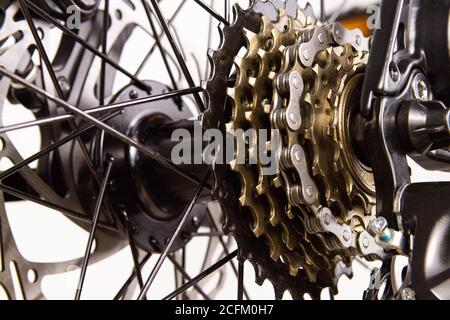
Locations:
196 221
109 158
64 84
134 94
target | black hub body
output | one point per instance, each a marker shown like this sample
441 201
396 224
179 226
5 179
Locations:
152 197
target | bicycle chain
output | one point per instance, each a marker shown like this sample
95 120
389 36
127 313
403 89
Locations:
318 172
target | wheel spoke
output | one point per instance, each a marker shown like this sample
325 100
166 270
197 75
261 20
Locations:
102 87
169 245
202 275
177 53
158 43
44 57
68 116
207 234
98 206
41 49
2 258
45 151
44 15
337 13
227 10
207 252
180 269
134 251
240 290
160 35
225 249
212 12
123 290
111 131
67 212
322 10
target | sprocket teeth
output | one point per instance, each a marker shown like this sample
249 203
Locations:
277 182
308 99
249 116
262 53
279 293
237 61
252 81
249 35
229 127
271 76
231 92
260 189
332 131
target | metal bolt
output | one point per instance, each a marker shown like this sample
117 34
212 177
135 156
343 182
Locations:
113 185
196 221
408 294
423 90
379 227
420 87
135 229
134 94
394 72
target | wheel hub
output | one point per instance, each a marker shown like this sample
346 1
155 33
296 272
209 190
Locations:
151 196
